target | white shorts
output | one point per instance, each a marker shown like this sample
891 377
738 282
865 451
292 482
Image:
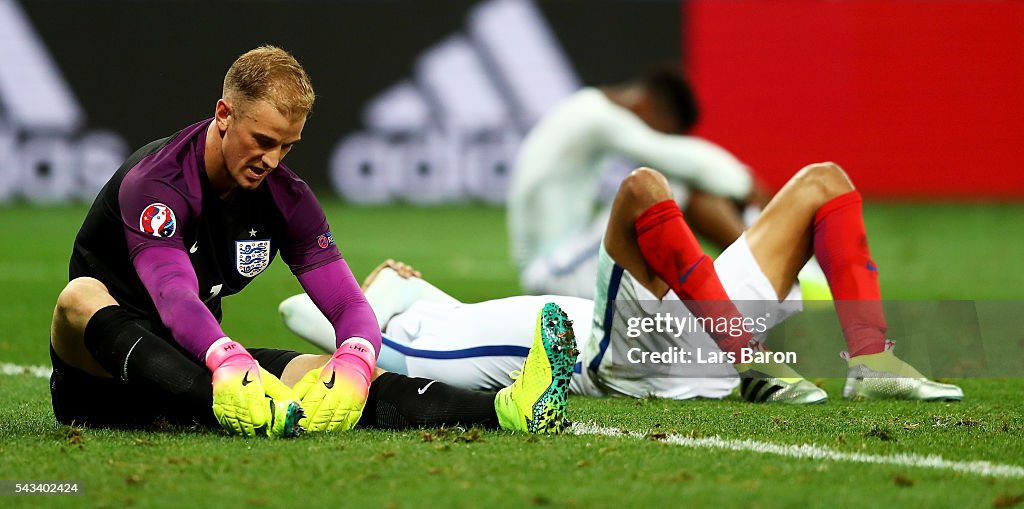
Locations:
620 297
570 268
477 346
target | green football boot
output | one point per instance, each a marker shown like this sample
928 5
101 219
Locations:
284 419
536 401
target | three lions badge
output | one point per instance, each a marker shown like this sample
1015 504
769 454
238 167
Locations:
251 256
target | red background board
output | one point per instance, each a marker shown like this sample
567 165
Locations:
913 99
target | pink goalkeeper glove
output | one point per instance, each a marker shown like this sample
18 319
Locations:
334 395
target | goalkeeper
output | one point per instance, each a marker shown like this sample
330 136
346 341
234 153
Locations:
194 217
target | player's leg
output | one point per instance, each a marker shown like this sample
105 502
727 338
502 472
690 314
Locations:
713 217
76 305
648 237
819 211
610 355
639 191
476 346
471 346
93 337
79 398
534 403
301 316
431 339
781 238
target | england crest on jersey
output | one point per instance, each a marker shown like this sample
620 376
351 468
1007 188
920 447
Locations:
251 256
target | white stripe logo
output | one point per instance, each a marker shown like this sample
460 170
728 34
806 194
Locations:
124 369
451 131
32 89
423 389
43 154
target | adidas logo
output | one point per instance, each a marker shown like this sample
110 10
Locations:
44 155
450 132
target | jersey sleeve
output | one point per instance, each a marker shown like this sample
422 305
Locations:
695 161
335 291
171 282
153 212
308 241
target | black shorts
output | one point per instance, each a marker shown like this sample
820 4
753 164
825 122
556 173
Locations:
83 399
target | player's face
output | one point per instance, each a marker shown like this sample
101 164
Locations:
664 124
661 121
256 140
656 118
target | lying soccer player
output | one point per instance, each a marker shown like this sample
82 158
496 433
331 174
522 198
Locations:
646 244
194 217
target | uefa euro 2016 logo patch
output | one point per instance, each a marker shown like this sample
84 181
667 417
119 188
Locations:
251 256
326 240
158 220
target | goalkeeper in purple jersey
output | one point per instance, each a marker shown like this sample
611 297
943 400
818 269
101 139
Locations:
194 217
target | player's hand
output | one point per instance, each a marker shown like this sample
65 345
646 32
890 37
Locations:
334 395
241 389
403 269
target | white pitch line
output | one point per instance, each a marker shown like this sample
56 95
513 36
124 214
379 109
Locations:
803 451
16 369
808 451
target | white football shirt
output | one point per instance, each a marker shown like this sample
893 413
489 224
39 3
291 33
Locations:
556 182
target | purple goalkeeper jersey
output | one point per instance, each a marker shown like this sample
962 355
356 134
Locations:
161 197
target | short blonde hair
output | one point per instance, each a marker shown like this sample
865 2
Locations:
272 74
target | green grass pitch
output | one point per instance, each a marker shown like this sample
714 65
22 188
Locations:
926 251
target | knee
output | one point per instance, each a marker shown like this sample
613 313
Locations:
645 187
81 298
823 181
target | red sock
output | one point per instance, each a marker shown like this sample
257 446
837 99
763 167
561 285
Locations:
841 246
670 249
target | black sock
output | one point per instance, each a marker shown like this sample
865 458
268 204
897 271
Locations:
140 358
399 402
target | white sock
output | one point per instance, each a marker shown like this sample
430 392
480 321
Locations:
303 318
